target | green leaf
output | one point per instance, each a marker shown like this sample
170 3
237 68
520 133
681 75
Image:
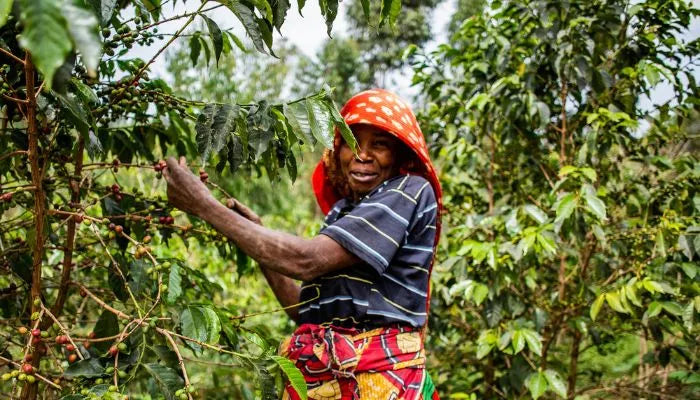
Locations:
107 325
518 341
83 28
195 48
630 292
106 11
534 341
296 378
320 122
76 112
247 18
200 323
216 37
613 299
547 244
566 206
167 379
660 244
480 293
688 313
365 9
330 12
672 307
594 204
389 12
138 279
537 384
299 121
213 126
5 9
505 340
556 383
690 269
174 283
45 36
84 92
87 368
482 350
207 52
236 41
279 12
536 213
653 310
589 173
685 246
341 125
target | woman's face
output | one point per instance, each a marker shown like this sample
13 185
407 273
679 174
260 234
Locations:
376 159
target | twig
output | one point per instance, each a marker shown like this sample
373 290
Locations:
12 154
179 358
38 91
63 329
14 99
12 56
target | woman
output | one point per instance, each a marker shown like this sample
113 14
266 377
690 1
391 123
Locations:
365 277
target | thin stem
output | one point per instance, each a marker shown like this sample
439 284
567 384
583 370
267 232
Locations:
63 329
12 154
12 56
179 358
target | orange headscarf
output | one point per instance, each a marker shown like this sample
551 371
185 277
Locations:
387 112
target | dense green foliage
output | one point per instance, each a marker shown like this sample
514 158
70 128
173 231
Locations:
104 290
573 227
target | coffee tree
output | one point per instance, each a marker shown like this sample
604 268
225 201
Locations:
96 296
571 182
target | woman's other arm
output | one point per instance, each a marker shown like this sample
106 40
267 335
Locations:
286 289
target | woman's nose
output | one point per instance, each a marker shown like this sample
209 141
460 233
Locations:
362 155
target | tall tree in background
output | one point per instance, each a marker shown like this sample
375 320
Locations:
573 228
370 53
381 46
338 64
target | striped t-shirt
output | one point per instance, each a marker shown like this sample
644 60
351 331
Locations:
392 230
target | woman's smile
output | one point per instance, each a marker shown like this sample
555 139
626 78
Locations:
375 162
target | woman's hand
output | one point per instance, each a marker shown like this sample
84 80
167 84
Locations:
242 209
185 190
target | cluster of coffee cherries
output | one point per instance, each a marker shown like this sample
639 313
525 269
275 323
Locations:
129 36
24 374
181 394
203 176
116 191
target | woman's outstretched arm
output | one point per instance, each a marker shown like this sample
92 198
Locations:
289 255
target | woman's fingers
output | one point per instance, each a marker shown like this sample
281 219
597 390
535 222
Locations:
183 162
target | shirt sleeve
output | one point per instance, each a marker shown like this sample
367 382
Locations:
376 228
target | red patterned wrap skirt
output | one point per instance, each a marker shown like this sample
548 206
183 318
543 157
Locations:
349 364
